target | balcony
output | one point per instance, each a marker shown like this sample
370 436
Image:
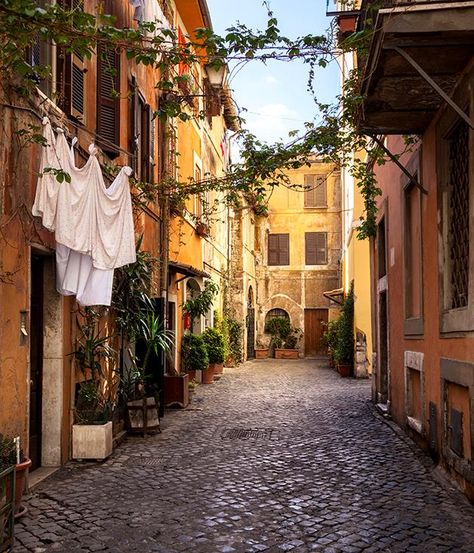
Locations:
416 47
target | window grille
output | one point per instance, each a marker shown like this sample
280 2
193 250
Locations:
459 216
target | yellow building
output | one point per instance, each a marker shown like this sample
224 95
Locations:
355 253
298 255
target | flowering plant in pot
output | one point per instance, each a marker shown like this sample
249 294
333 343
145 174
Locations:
214 342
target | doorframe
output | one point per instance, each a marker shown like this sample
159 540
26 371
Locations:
52 410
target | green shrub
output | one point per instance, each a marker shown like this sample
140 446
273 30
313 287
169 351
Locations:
194 353
283 335
236 337
330 335
222 324
214 344
344 350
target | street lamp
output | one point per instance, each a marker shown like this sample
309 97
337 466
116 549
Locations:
216 72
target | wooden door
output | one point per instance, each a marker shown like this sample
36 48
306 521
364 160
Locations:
314 327
36 359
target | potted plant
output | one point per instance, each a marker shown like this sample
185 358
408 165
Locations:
344 349
194 357
92 428
7 492
261 352
284 338
330 340
347 24
236 332
141 401
176 386
200 305
214 342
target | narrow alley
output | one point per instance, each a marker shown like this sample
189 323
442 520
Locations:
276 456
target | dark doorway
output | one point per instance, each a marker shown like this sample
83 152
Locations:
383 344
314 326
36 359
250 326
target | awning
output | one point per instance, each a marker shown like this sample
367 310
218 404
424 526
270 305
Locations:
186 270
417 54
336 295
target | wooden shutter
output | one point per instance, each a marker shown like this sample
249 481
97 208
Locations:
309 193
316 193
316 248
278 249
108 106
320 190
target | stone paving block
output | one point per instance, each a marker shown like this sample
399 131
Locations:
284 456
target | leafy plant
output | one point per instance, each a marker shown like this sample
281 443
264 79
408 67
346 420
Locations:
330 335
283 335
222 324
194 353
344 349
214 345
201 304
236 338
7 452
93 403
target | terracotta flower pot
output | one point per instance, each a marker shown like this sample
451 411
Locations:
344 369
20 481
261 353
286 353
347 24
208 375
219 368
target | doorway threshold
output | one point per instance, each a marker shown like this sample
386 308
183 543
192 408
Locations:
39 475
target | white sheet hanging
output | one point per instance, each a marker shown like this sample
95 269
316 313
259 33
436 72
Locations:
93 224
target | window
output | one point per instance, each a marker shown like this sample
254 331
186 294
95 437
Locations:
454 169
275 313
412 242
108 104
278 249
141 135
316 249
381 248
315 191
71 74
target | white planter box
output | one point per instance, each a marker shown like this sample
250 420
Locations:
91 441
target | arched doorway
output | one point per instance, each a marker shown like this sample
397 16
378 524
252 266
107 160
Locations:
193 290
250 325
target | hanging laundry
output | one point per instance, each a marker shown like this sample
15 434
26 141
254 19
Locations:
93 224
139 12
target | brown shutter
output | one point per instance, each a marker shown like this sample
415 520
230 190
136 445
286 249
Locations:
320 191
284 243
273 249
108 86
309 193
316 248
321 248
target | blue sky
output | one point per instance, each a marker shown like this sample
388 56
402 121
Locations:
275 95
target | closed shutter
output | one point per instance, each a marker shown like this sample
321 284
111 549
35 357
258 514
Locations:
316 248
108 88
309 193
315 191
278 249
320 191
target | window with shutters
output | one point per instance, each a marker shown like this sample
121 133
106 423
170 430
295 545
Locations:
278 249
316 250
315 194
412 243
108 105
71 74
141 134
455 162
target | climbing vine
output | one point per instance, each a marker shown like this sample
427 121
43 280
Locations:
263 166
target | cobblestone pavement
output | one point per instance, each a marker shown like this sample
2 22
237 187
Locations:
277 456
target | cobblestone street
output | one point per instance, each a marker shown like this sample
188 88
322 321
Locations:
276 456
